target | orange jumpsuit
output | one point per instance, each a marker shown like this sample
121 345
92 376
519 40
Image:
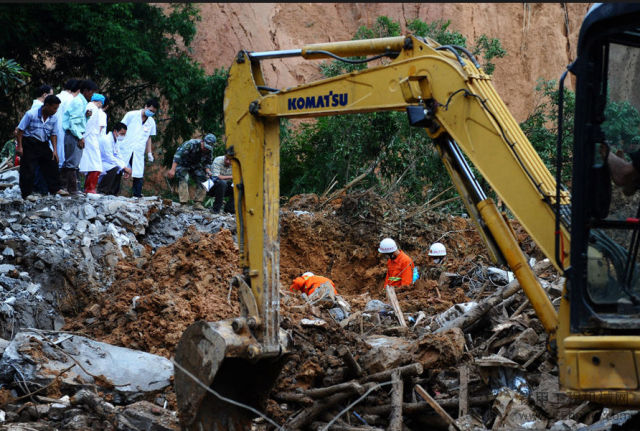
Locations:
309 284
399 271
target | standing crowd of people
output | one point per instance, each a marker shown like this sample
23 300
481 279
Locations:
63 138
65 135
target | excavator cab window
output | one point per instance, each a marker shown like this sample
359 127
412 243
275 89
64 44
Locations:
605 278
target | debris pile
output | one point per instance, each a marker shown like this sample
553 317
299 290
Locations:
97 292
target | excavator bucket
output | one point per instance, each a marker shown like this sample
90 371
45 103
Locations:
214 353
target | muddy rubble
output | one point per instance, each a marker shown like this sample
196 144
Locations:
96 292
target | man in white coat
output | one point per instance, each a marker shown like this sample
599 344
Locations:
113 167
91 162
140 128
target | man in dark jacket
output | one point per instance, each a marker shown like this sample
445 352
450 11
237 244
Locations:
193 159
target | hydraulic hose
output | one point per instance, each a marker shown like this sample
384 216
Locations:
455 52
468 54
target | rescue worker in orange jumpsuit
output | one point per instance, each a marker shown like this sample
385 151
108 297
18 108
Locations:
399 266
309 282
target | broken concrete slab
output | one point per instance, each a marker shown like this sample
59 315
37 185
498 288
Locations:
548 397
5 268
41 358
520 352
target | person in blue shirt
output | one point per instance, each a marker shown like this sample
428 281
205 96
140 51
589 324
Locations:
74 124
36 129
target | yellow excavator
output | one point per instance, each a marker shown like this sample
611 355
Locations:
595 337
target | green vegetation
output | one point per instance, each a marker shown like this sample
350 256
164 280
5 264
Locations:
621 127
541 126
340 148
133 51
11 74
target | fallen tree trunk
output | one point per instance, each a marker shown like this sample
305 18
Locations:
319 426
350 387
411 408
293 397
307 415
384 376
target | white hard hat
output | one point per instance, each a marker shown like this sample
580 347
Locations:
387 245
437 249
308 274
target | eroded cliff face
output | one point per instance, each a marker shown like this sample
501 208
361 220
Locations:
540 38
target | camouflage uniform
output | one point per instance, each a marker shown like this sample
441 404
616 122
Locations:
191 162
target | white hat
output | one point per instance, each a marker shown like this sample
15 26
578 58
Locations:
437 249
387 245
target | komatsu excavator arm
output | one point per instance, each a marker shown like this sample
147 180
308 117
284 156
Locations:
451 97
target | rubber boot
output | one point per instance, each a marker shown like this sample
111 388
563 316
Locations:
63 179
72 182
183 192
94 181
198 198
91 182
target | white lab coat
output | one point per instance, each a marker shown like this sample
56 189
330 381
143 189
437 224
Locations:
110 153
65 97
91 160
135 141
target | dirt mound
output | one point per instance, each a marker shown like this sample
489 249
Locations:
188 280
341 242
180 284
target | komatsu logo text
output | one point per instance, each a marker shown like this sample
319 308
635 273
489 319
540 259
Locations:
330 100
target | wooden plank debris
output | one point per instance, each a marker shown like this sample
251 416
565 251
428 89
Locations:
393 299
433 403
395 418
463 407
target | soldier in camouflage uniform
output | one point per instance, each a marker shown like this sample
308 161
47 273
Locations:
193 159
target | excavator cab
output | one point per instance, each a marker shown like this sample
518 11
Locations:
604 277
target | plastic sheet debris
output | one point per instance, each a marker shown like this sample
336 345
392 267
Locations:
454 312
338 314
500 276
314 322
376 305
